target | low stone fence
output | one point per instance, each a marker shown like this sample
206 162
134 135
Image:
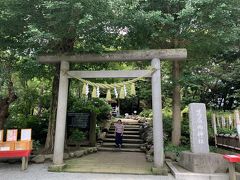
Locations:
41 158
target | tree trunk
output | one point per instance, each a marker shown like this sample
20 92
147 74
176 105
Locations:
40 102
176 123
92 131
5 103
49 144
65 46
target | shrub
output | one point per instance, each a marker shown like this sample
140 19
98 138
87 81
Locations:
99 106
176 149
77 136
227 131
39 125
146 113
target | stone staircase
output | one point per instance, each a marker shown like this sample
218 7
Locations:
131 139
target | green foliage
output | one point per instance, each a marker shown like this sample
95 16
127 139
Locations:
98 130
99 106
146 113
39 125
227 131
36 145
176 149
129 105
144 92
167 126
77 136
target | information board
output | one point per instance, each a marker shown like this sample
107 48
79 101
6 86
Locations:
12 135
80 120
26 134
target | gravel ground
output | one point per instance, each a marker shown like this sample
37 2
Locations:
39 172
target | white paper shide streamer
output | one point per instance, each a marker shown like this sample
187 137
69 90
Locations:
87 89
115 92
98 92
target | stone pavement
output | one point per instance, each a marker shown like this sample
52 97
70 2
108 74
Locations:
111 162
40 172
97 166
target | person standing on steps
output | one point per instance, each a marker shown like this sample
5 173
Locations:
119 128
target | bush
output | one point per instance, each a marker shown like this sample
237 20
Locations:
36 145
227 131
39 125
176 149
146 113
129 105
99 106
77 136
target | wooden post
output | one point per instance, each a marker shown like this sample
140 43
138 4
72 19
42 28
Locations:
92 131
214 127
234 122
26 163
218 122
230 121
23 163
237 119
232 174
223 122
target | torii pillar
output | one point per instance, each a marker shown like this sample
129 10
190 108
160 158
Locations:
61 117
157 115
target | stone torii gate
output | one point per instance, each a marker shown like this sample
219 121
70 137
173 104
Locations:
132 55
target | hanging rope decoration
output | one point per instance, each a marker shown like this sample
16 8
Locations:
108 97
94 92
121 96
133 90
115 86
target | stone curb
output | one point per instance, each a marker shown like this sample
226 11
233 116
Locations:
41 158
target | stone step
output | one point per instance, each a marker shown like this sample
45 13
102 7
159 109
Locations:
128 136
121 150
130 123
125 145
132 126
125 129
129 126
125 132
125 140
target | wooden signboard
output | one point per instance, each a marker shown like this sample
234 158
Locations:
12 135
1 135
23 145
7 146
80 120
26 134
